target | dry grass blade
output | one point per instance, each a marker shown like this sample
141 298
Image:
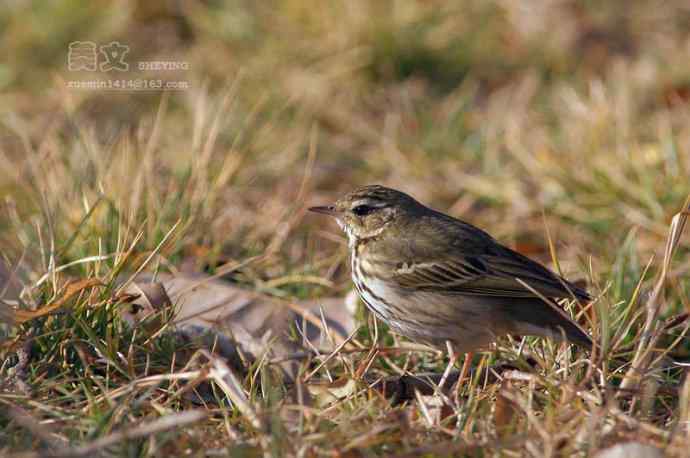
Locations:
335 352
85 260
149 257
313 319
224 377
165 423
650 335
222 270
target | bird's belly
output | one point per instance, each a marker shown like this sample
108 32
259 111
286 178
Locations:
425 316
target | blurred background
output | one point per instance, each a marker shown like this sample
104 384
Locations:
517 116
183 137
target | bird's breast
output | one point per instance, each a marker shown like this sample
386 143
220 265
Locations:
374 290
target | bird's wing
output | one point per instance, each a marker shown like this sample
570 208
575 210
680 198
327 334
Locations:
464 276
440 274
485 276
478 265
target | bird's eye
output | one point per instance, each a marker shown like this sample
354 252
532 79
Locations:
361 210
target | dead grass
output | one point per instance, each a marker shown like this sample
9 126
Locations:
566 119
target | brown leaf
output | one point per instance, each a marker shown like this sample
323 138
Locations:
326 393
21 316
143 300
235 321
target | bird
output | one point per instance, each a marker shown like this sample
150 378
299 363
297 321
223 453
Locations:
443 282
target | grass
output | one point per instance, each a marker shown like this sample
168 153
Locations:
562 130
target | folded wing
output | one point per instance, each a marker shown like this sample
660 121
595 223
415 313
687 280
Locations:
492 272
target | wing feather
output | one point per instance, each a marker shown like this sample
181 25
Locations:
470 262
485 276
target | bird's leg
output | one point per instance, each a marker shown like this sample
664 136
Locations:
465 371
452 358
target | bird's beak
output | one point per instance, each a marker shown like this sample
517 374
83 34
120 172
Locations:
329 210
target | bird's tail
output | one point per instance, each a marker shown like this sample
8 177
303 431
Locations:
536 317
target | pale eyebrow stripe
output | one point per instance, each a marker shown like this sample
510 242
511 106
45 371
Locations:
369 202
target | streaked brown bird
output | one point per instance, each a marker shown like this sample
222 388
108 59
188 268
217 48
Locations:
436 279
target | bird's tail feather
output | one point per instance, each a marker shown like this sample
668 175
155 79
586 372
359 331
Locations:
547 320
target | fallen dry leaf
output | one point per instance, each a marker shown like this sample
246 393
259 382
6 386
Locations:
234 321
72 288
326 393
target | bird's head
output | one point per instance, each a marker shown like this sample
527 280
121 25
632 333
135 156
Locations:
369 211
